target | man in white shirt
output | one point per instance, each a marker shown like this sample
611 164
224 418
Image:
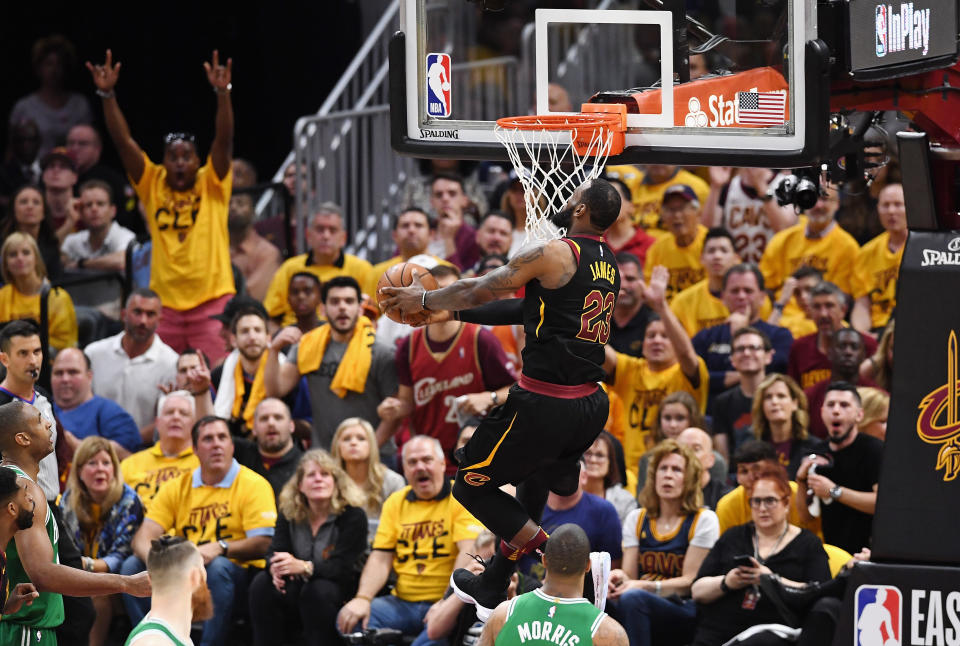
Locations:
129 367
103 244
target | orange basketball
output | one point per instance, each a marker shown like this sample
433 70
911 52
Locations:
401 275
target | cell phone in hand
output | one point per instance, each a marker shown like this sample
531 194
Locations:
743 561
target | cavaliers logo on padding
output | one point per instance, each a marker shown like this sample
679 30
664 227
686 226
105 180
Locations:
475 479
939 419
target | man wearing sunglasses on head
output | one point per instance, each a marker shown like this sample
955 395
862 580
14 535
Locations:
186 206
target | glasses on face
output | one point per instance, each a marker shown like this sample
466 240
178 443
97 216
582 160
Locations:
767 502
740 349
595 456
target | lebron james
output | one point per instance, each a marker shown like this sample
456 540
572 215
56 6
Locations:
556 410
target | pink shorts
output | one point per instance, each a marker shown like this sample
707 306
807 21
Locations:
193 328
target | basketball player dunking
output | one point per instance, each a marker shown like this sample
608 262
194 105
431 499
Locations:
556 410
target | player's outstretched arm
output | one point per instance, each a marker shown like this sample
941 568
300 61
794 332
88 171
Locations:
221 150
36 553
610 633
105 78
553 264
494 625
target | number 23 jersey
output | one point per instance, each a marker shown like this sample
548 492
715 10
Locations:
567 328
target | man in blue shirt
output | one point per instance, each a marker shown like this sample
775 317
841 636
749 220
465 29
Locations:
596 516
81 412
743 295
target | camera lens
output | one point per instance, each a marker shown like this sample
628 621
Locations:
806 194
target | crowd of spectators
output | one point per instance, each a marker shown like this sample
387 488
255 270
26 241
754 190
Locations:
305 443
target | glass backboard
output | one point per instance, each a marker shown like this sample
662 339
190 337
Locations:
754 77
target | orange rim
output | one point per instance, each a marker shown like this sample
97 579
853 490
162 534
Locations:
560 121
595 121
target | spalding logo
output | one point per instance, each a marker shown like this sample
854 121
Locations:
475 479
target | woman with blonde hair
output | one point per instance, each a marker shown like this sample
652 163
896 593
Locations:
664 543
316 546
25 275
354 446
31 216
780 418
102 514
876 408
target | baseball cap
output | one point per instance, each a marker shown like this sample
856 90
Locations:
237 303
681 190
58 153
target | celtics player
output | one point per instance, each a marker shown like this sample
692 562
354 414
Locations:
26 438
556 410
557 613
180 594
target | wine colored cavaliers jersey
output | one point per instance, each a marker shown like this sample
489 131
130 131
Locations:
439 378
537 618
567 328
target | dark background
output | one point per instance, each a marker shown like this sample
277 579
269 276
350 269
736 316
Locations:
287 56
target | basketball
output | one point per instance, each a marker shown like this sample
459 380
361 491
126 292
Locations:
446 86
401 275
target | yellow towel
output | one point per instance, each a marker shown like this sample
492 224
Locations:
354 367
257 392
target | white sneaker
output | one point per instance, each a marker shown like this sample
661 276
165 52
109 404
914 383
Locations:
600 570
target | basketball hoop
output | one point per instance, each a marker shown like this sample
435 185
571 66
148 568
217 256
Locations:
554 154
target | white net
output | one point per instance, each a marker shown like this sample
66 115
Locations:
550 169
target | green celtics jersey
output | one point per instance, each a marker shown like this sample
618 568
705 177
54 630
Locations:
537 618
151 625
46 611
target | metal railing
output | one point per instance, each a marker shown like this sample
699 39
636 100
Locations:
349 162
348 159
362 83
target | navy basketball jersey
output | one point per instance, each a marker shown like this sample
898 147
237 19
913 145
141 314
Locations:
660 556
567 328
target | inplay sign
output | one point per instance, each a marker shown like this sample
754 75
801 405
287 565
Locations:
893 33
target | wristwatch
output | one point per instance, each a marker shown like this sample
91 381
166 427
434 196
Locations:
835 492
494 398
223 546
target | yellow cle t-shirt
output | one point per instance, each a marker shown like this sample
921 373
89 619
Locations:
683 262
423 535
876 276
648 198
347 265
61 315
834 255
697 309
642 389
190 257
145 471
239 506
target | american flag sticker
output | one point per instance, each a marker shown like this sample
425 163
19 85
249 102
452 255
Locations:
761 108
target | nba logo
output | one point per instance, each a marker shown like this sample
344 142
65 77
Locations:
881 30
878 609
438 85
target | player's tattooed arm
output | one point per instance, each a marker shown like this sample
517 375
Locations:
553 264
